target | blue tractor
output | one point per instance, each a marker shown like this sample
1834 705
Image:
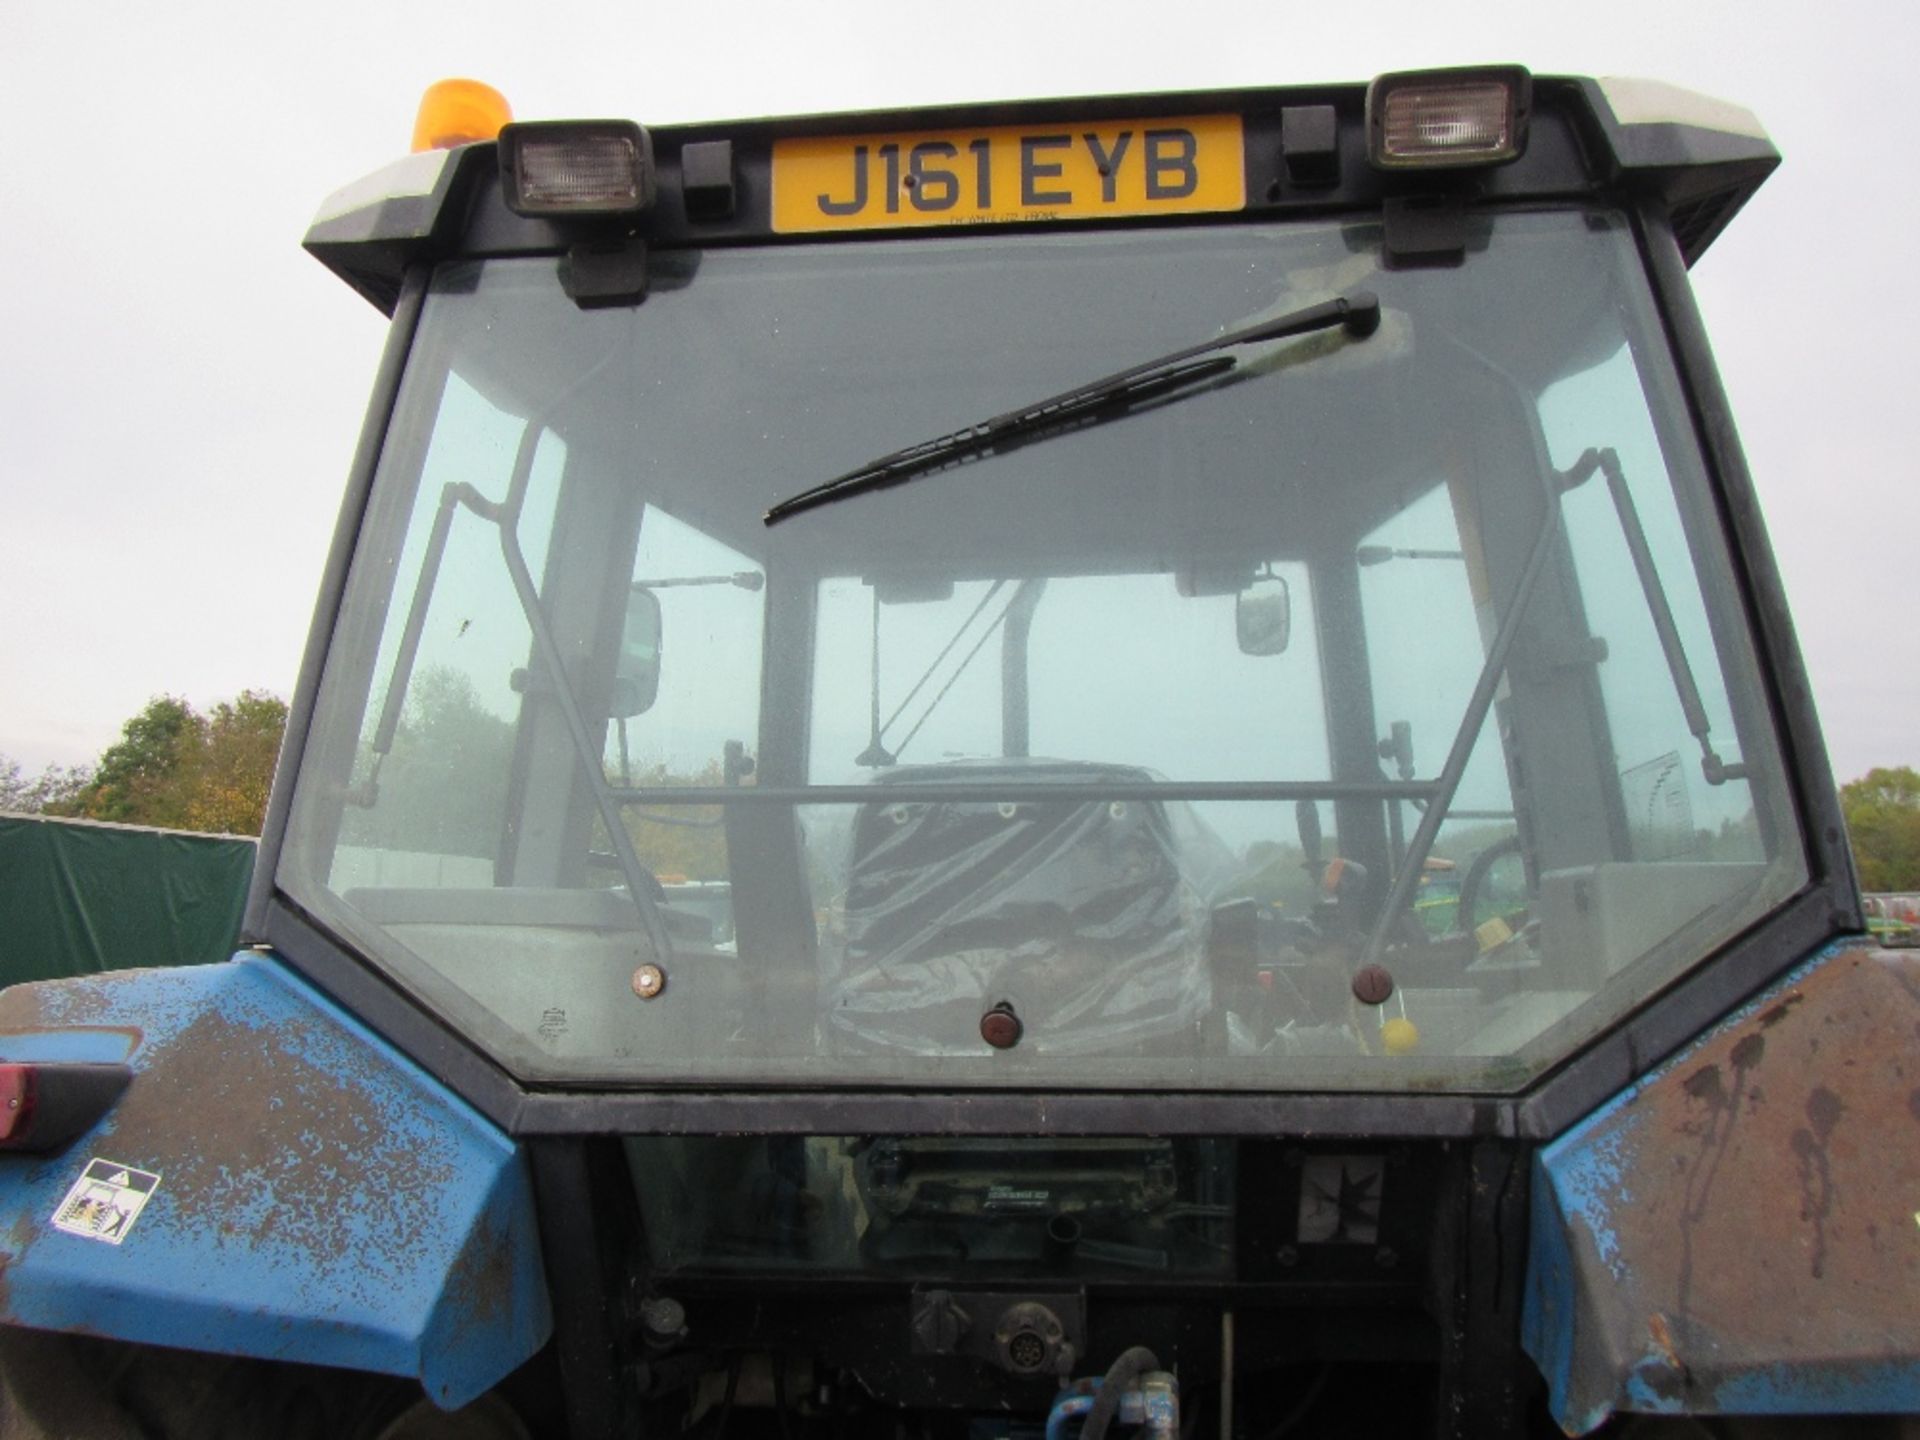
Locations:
768 920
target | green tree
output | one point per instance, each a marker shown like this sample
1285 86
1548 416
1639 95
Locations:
50 790
680 842
176 768
142 778
234 769
1883 821
443 787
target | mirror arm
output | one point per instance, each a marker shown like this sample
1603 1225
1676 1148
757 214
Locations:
549 653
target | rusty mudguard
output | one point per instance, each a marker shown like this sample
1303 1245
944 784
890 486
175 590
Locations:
290 1186
1739 1232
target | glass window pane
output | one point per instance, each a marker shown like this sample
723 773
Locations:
1125 744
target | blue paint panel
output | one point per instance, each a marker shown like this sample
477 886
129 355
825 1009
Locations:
322 1199
90 1047
1885 1388
1735 1233
1546 1314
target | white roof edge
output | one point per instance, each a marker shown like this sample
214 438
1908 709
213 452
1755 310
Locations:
1654 102
413 175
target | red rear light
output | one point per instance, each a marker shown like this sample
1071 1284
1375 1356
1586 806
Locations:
17 1091
46 1104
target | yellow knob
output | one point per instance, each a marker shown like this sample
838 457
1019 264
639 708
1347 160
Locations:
1401 1037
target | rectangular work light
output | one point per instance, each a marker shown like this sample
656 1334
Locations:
1437 119
581 168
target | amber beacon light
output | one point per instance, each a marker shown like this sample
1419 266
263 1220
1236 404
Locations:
459 112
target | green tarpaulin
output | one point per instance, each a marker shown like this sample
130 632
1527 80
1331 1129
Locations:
77 897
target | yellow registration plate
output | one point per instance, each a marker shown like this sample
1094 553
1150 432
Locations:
1000 174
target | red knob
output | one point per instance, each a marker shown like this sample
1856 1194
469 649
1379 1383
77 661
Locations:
1372 984
1000 1027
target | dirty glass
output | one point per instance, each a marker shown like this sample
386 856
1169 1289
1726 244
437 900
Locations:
1020 1210
1102 759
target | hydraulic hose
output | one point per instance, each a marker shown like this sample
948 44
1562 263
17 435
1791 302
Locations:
1066 1410
1123 1375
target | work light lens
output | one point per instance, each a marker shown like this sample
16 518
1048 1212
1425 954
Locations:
1470 118
597 169
1438 120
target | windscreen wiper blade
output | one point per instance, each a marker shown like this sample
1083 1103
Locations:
1115 394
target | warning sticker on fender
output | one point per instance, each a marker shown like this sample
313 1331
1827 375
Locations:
105 1201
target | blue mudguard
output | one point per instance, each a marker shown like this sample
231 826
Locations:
276 1181
1739 1232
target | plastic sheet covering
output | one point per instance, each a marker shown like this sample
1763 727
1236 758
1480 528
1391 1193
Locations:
1089 919
77 898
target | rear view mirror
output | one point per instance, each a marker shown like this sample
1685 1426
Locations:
636 682
1263 616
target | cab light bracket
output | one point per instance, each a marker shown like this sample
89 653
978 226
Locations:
599 277
1424 230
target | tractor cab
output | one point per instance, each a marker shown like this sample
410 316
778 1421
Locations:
1004 743
1071 646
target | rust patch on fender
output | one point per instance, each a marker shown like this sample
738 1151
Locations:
269 1148
1662 1336
1755 1231
49 1004
480 1290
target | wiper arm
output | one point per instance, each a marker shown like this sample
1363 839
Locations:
1115 394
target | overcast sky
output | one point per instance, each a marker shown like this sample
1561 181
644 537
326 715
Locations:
181 387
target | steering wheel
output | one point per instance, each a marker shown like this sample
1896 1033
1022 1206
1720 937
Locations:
1475 880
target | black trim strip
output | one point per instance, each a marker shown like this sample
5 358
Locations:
1677 1017
1804 752
1830 906
449 1057
586 1281
333 587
